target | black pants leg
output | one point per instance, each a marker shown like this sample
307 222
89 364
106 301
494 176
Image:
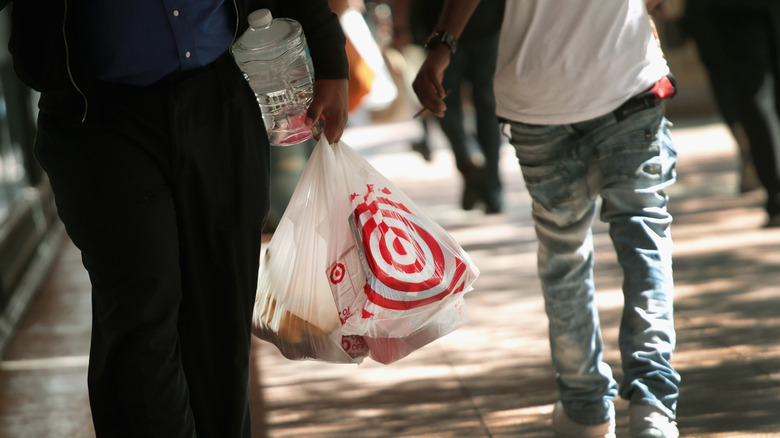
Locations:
488 129
750 39
164 190
474 62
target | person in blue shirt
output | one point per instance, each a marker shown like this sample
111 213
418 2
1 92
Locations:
156 152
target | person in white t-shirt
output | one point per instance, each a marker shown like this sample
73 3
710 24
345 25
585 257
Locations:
579 88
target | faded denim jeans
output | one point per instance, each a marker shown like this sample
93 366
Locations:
623 166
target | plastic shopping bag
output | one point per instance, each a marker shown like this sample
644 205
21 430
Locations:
294 307
410 269
400 282
355 268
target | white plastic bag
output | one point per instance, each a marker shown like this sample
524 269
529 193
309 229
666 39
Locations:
355 268
404 269
294 307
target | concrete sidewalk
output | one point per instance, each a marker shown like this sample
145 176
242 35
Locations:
492 377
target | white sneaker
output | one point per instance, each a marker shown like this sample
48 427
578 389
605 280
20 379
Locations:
649 422
565 427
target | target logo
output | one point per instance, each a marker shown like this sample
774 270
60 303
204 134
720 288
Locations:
411 266
337 273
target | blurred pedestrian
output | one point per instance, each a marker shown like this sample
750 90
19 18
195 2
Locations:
159 161
579 89
739 44
472 68
696 23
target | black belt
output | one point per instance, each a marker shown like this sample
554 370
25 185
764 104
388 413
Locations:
664 89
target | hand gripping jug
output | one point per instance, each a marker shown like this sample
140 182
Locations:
274 57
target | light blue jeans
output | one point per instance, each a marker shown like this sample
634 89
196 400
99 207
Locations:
624 165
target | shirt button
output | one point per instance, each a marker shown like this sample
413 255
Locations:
187 54
175 12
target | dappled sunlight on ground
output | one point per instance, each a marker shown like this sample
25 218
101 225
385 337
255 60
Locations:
492 377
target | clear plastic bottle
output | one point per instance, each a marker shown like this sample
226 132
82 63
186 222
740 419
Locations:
275 60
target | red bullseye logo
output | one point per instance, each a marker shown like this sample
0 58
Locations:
337 273
411 267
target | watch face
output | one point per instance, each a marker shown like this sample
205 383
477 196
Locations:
443 37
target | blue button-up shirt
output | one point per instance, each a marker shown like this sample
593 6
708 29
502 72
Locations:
138 42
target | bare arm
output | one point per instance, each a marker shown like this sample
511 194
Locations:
657 9
331 102
427 85
401 32
652 4
455 14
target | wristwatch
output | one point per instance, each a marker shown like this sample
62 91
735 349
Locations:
442 37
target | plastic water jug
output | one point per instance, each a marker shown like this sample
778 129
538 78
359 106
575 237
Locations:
274 57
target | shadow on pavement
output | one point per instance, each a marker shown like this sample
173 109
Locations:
491 377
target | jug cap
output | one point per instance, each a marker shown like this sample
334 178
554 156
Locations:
260 18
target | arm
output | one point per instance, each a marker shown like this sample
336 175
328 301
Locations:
401 31
657 9
331 100
340 6
427 85
326 42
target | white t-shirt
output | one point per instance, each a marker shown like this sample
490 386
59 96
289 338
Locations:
566 61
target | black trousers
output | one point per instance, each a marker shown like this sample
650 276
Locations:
749 40
164 189
474 62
